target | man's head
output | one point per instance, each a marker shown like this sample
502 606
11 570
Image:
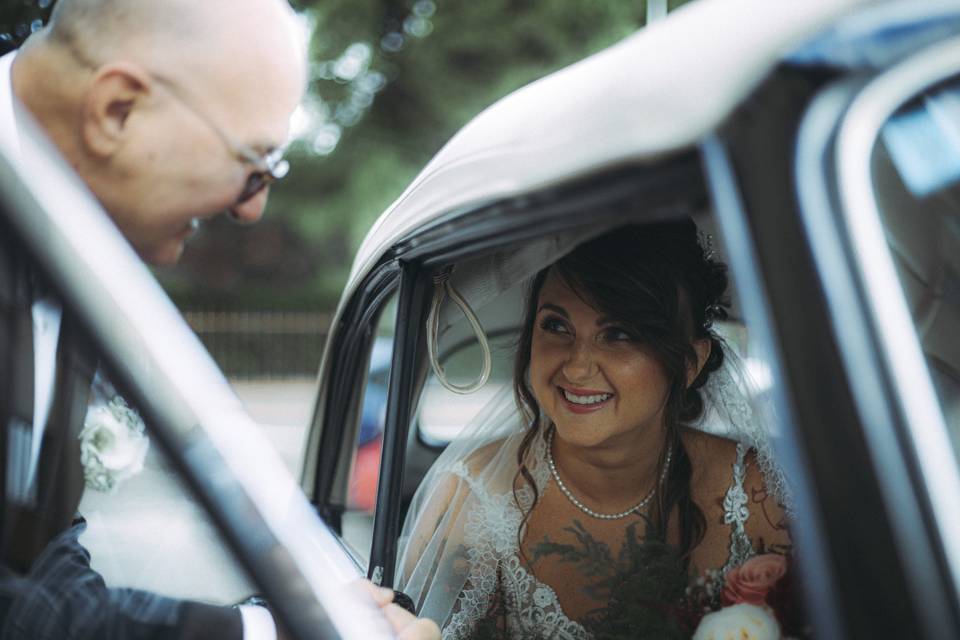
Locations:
168 109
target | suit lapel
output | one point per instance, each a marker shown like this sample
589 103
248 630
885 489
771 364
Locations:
16 391
34 513
59 478
60 473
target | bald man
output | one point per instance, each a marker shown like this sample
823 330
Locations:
171 111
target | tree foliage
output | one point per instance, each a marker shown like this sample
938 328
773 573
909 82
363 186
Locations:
427 67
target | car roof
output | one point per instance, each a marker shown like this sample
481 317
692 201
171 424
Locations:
652 95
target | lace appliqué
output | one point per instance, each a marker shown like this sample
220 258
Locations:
736 513
532 608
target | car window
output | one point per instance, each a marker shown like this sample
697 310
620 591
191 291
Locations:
367 447
444 413
143 528
915 180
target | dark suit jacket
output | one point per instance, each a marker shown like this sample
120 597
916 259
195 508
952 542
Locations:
47 588
28 528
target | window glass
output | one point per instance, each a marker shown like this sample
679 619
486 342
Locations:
144 529
444 413
136 546
915 178
365 465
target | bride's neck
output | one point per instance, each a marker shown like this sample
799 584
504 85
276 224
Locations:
613 475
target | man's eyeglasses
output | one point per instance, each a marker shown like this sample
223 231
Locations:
268 167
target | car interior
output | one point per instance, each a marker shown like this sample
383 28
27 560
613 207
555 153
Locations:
493 282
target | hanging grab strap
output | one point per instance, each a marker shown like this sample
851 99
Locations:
442 288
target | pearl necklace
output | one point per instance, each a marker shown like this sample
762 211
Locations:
596 514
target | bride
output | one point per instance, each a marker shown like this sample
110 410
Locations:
595 505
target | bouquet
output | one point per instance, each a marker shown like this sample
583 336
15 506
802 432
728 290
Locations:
755 602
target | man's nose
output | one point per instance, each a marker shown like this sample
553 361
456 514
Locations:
251 210
580 364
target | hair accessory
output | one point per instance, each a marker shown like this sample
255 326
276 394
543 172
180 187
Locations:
713 312
709 253
596 514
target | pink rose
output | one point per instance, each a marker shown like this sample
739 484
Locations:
751 581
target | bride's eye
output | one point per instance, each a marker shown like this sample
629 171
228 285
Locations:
553 324
617 334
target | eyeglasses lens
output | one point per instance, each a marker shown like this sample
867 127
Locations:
256 182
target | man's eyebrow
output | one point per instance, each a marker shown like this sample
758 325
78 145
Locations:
552 307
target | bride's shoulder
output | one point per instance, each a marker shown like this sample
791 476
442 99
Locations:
712 459
718 463
475 460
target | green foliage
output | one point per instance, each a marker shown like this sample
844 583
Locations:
18 18
469 55
476 53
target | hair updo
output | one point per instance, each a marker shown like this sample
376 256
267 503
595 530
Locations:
657 282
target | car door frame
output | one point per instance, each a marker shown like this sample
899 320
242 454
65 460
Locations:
50 214
461 235
858 474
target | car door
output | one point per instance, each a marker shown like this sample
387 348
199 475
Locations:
819 223
264 525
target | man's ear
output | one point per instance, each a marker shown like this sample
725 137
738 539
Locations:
702 348
115 91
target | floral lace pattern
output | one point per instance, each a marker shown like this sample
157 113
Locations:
736 513
532 608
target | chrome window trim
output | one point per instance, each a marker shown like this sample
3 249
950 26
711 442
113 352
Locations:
860 212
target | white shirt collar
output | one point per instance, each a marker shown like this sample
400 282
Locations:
8 119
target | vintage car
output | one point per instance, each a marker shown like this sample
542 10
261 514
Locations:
817 141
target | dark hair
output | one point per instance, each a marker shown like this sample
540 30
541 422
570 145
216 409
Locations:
657 282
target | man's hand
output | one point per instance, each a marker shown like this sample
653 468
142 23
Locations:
406 625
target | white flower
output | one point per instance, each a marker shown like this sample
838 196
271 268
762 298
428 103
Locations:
738 622
113 445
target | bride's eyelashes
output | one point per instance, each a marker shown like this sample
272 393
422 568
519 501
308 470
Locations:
555 325
615 334
609 334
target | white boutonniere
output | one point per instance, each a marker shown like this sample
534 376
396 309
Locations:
113 445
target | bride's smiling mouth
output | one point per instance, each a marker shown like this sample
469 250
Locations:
584 400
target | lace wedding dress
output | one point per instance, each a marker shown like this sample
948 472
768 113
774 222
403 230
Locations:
466 567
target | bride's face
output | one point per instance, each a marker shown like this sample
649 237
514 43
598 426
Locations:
588 375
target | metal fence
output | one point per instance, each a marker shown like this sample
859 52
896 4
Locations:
258 344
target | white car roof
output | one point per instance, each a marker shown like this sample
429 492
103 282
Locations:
651 95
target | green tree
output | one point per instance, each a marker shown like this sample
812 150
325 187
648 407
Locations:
391 82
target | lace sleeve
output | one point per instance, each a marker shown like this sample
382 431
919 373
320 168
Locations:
428 531
435 559
768 527
736 512
749 496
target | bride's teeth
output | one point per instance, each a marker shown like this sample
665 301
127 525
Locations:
585 399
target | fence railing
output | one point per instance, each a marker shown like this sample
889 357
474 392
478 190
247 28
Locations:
262 344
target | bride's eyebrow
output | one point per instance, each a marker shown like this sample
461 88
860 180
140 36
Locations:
552 307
